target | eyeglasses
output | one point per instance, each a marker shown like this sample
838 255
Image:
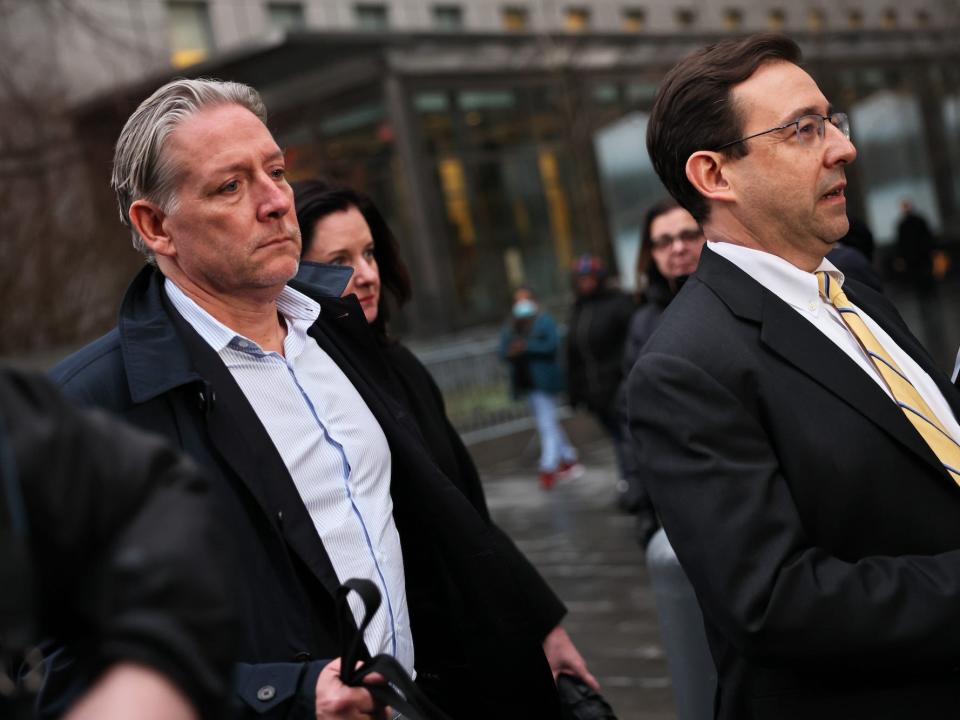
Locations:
810 129
685 236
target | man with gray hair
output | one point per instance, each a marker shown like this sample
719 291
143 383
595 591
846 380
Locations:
285 400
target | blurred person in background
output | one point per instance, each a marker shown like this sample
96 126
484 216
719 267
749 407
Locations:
348 249
670 248
529 343
596 333
853 253
110 551
669 252
922 265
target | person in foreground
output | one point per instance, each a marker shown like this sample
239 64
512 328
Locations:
798 442
319 475
344 231
108 547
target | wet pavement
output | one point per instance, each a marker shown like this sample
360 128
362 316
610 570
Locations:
585 549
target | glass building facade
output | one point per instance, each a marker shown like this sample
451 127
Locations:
498 159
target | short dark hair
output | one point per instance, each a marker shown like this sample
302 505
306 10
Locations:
693 109
645 265
316 199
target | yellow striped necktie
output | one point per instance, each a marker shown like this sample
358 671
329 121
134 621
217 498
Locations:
904 393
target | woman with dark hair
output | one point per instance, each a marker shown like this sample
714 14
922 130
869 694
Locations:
670 245
341 226
375 261
669 251
670 248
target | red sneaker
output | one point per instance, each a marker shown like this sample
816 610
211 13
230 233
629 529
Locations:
547 480
570 468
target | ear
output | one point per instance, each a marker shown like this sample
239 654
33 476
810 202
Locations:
707 172
149 220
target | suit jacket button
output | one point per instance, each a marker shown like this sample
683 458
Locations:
302 656
266 693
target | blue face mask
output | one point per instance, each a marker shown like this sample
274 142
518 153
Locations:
524 309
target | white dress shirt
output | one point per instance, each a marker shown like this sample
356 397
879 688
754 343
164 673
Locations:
334 449
801 291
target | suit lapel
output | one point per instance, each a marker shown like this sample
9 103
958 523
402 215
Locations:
799 343
806 348
885 316
243 443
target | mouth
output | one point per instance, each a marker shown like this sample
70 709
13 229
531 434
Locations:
277 241
836 192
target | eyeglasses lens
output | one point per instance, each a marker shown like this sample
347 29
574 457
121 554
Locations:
812 128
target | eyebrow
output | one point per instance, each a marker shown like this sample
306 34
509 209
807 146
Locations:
808 110
233 167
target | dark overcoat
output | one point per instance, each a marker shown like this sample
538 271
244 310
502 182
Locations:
820 532
471 627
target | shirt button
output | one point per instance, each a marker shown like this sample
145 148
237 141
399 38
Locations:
812 305
266 693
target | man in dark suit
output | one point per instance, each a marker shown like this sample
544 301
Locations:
321 474
815 509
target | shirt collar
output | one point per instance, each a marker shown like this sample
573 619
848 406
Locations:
798 288
298 310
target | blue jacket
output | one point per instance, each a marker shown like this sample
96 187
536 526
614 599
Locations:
542 342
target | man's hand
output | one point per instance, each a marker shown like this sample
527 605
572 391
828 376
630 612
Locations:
336 701
564 657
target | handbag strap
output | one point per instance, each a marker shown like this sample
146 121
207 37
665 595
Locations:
399 691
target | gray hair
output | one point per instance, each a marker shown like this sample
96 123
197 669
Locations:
140 167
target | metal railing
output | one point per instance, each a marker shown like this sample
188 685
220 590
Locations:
476 387
475 384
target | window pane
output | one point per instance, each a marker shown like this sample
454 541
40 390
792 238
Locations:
634 19
285 15
816 19
371 17
447 17
685 17
732 18
576 19
630 186
191 38
888 131
515 18
776 19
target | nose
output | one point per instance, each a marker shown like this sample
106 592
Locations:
364 273
841 150
276 199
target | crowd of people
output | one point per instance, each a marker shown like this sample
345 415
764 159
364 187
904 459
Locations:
191 500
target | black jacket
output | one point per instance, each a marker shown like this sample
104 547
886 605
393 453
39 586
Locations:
820 532
410 383
424 399
469 623
644 321
595 337
126 561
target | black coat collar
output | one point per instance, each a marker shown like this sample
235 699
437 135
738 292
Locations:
161 352
154 356
799 343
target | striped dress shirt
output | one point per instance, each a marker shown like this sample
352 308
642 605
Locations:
334 449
